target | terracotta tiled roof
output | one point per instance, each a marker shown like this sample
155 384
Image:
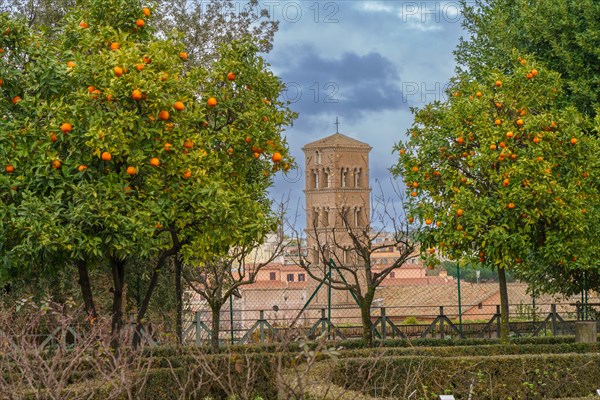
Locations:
336 140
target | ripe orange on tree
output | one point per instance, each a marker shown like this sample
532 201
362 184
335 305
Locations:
9 168
509 135
118 71
187 174
276 157
66 128
534 72
183 55
536 140
505 182
131 170
231 76
155 162
428 221
211 102
492 147
188 144
114 46
83 25
413 193
248 139
164 115
168 146
146 60
498 83
56 164
70 64
136 95
478 94
529 75
53 137
140 23
82 168
106 156
146 11
498 121
520 122
459 212
511 205
16 99
179 106
573 140
140 67
460 140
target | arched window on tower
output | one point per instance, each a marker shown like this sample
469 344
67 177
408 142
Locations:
316 173
317 157
344 176
356 177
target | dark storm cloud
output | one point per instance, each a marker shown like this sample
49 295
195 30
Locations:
349 86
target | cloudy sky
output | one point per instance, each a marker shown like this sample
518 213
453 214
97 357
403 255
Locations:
365 62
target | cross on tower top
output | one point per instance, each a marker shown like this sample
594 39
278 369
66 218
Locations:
337 125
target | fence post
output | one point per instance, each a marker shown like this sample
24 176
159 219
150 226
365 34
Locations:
442 329
261 326
553 319
383 324
498 322
231 316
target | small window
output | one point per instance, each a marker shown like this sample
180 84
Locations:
272 276
290 277
301 277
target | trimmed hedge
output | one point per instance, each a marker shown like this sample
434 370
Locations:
500 377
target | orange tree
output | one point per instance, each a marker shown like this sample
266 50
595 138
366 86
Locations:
113 149
500 174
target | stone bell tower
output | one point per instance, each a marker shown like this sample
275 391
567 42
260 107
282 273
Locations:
337 189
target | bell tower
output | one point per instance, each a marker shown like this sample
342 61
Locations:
337 190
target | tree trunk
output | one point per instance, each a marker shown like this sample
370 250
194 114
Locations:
118 275
86 291
178 300
216 324
504 326
365 313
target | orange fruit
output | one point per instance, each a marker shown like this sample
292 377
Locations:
248 139
478 94
136 95
520 122
83 25
230 151
183 55
164 76
492 147
255 154
536 140
415 184
459 212
140 23
211 102
146 11
534 72
455 94
523 62
147 60
168 146
118 71
53 137
402 151
70 64
56 164
498 83
164 115
415 169
411 220
231 76
505 182
114 46
460 140
529 75
9 168
187 174
188 144
109 97
498 121
106 156
66 128
509 135
131 170
503 145
140 67
498 105
428 221
511 205
277 157
573 140
90 89
82 168
179 106
16 99
413 193
155 162
438 224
